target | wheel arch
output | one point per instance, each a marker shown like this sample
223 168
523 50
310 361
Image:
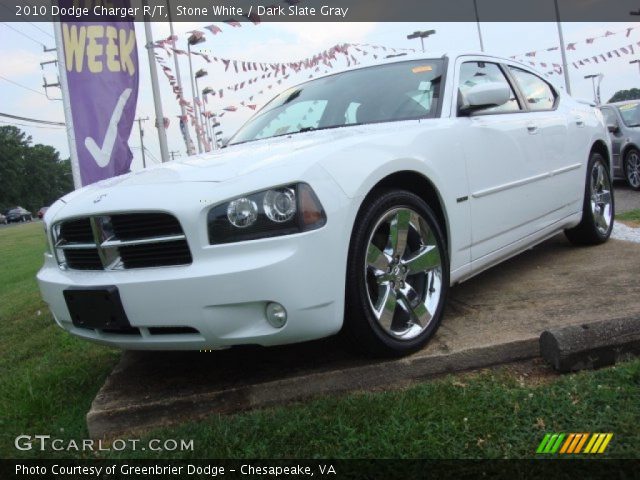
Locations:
421 186
624 151
599 146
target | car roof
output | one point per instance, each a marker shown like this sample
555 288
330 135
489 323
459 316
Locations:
623 102
412 56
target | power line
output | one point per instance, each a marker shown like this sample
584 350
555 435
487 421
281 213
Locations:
24 34
34 120
43 31
31 126
22 86
152 156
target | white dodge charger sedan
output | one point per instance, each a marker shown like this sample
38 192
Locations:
350 202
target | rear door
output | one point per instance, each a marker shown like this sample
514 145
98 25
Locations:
563 138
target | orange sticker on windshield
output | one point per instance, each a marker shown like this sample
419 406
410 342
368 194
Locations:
424 68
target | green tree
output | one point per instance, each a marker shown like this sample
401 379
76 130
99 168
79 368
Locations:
622 95
31 176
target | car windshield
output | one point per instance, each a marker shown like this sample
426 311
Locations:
630 113
397 91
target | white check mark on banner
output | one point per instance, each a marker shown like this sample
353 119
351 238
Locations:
102 156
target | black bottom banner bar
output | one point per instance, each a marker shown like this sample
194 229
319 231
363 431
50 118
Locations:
333 469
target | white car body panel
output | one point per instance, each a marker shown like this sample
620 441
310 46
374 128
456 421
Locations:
532 188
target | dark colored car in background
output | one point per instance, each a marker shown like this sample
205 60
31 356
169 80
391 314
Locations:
18 214
623 122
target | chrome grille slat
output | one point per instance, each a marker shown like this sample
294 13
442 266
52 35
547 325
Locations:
121 241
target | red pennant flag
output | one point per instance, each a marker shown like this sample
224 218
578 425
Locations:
254 17
230 109
590 40
232 22
214 29
608 33
629 31
252 106
571 46
530 54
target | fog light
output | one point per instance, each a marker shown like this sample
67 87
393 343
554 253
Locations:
276 315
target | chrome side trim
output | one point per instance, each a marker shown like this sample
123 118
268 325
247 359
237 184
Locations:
524 181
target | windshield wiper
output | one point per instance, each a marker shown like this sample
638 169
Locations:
634 125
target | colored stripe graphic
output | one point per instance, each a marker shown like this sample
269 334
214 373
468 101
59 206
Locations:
573 443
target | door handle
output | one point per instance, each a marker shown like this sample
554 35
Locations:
580 121
532 128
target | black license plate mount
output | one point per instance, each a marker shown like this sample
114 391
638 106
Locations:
97 308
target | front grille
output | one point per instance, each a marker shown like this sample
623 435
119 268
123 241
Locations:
121 241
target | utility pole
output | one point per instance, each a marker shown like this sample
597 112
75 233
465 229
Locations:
475 7
563 50
140 120
157 99
421 35
195 40
596 91
183 110
174 154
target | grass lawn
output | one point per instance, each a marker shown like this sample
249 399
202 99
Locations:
631 218
48 379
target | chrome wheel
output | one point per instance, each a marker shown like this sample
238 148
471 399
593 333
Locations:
403 271
601 204
633 169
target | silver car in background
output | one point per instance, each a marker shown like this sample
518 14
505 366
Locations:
623 122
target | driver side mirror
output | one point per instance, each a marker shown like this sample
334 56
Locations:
613 127
484 95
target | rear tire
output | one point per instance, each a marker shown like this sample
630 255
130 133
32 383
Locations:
397 275
632 168
598 208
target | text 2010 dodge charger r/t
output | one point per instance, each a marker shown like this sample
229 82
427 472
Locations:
349 202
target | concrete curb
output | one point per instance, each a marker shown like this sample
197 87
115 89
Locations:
109 423
497 317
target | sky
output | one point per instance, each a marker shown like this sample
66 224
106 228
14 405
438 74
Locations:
21 76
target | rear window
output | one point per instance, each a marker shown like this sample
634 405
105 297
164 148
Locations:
630 113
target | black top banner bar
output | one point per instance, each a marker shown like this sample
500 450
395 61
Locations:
257 11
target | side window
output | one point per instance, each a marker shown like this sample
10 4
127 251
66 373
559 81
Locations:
476 73
609 116
538 94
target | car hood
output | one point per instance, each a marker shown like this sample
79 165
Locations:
289 155
242 159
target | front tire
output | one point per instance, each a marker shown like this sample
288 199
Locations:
632 168
397 275
598 207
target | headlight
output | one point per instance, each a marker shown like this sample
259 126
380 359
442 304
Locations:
270 213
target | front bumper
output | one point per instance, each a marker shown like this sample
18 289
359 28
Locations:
223 294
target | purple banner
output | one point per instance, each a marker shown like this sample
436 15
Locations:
101 60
